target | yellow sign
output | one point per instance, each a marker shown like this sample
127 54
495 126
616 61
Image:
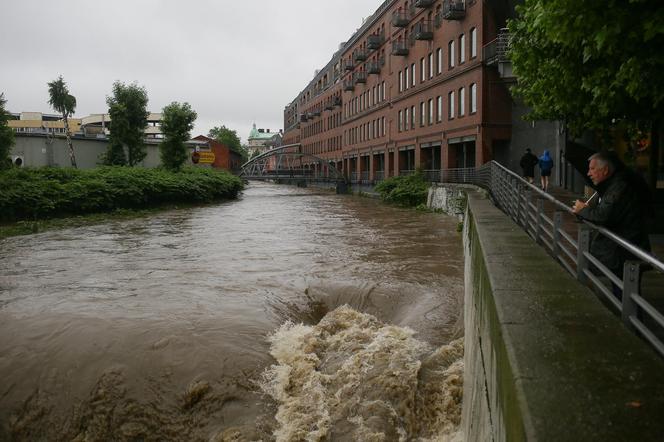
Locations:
205 157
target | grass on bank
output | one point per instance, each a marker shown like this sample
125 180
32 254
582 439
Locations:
33 197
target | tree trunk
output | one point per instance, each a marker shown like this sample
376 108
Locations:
72 156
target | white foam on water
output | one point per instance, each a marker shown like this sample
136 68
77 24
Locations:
352 377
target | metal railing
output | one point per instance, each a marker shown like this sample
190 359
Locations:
525 204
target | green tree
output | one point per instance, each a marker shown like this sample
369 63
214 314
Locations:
62 101
127 107
229 137
177 121
6 135
592 64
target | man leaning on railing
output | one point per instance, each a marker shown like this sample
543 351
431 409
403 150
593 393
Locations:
619 209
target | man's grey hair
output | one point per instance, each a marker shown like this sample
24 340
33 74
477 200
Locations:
604 161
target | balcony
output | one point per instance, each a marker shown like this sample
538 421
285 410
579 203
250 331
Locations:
315 113
360 54
348 65
399 47
303 118
336 101
348 85
423 3
400 19
495 52
423 30
360 77
454 9
438 20
375 41
373 67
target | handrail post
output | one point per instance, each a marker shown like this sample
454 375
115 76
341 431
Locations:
538 220
520 209
631 277
557 225
583 247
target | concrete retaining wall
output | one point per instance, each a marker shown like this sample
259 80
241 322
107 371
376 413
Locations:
544 359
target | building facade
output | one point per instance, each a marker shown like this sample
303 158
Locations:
418 86
261 140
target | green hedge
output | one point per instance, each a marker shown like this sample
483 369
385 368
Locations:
409 190
50 192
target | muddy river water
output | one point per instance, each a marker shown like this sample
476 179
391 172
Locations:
288 314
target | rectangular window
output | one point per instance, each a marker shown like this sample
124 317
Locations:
412 74
406 81
450 53
473 43
412 117
439 60
473 98
430 114
382 92
423 71
462 49
450 104
422 113
400 81
407 118
383 124
439 108
400 120
430 65
462 101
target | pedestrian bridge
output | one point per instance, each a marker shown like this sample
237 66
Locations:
290 164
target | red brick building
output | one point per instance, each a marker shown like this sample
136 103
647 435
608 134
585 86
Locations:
410 89
224 157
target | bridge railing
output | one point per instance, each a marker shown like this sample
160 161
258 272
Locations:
525 204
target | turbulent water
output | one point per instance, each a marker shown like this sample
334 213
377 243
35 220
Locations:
290 314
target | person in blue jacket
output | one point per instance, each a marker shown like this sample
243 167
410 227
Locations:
545 165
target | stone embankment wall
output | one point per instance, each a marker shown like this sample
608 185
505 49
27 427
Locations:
544 358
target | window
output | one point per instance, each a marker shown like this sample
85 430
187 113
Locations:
462 49
430 114
423 71
412 117
400 81
431 65
405 74
412 74
422 115
439 108
383 125
450 104
450 53
439 60
473 98
400 120
382 94
407 119
473 43
462 101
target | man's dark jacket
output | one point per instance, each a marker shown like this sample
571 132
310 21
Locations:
528 163
620 212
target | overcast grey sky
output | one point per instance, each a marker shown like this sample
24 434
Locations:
235 62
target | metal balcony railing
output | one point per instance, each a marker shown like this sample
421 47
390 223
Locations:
525 204
496 50
348 85
399 47
454 9
400 19
423 3
349 65
373 67
375 41
360 77
360 54
423 30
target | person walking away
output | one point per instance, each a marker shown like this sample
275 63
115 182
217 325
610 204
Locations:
618 210
528 163
545 165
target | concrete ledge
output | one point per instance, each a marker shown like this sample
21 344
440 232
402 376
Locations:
545 360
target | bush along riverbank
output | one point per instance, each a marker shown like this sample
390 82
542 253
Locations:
43 193
406 191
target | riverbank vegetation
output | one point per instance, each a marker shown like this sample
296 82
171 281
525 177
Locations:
406 191
43 193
